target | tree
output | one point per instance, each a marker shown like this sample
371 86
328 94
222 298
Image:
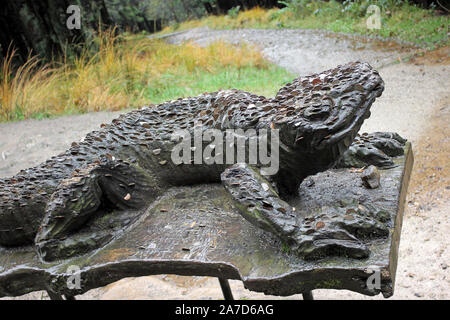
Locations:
39 27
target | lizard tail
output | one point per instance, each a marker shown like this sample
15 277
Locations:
22 204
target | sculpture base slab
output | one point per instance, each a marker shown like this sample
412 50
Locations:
195 231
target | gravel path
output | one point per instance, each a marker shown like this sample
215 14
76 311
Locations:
416 104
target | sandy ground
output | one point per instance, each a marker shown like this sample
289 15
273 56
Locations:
416 104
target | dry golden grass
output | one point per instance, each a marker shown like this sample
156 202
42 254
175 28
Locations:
114 78
255 17
28 88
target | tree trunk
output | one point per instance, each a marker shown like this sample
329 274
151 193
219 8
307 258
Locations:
39 27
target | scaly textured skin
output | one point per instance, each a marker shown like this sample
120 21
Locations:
127 164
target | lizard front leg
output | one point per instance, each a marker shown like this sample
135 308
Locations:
260 204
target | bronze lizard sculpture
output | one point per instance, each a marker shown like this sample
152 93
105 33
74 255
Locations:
127 164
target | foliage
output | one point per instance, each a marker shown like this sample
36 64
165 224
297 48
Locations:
233 12
131 71
176 10
398 20
128 14
29 86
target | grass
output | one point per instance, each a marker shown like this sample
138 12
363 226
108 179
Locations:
399 20
131 72
259 81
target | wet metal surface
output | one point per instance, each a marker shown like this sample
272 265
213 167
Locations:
195 231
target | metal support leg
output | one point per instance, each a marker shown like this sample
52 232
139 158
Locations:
54 296
307 295
226 290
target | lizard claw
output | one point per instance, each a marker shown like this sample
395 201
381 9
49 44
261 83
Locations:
373 149
330 243
338 235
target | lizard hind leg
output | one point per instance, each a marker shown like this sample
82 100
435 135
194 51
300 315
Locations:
95 189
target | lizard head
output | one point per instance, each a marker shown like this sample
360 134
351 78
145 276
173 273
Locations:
321 110
318 116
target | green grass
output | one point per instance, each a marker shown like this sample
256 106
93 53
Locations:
399 20
259 81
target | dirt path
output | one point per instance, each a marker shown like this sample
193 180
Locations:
416 104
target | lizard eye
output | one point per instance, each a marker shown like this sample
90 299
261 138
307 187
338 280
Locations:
317 112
